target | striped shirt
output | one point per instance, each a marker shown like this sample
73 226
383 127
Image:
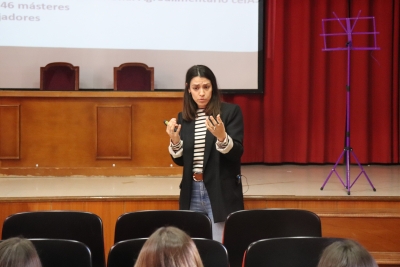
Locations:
176 150
200 131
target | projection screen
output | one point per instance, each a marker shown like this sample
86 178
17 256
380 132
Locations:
98 35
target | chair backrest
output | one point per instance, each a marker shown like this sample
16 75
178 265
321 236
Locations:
126 252
74 225
133 76
62 253
141 224
212 253
287 251
59 76
247 226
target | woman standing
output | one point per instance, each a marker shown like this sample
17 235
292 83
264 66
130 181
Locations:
206 139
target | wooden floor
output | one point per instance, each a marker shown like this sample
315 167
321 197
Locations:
368 216
258 181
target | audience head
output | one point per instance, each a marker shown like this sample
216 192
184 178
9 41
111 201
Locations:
346 253
169 247
18 252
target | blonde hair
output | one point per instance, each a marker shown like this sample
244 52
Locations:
346 253
18 252
169 247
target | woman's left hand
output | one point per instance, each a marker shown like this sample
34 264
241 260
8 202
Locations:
216 127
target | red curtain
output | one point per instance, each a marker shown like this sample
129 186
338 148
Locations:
301 117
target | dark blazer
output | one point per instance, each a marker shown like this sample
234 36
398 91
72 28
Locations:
220 170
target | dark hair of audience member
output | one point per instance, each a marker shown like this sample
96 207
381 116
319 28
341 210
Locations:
18 252
169 247
346 253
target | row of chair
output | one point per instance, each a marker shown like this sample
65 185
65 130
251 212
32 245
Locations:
242 228
63 76
274 252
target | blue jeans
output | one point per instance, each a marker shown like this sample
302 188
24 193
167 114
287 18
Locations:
201 202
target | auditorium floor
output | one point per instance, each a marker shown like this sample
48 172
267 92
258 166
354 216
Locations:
258 180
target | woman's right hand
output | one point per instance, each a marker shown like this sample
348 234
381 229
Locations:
173 130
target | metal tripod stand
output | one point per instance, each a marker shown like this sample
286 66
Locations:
348 25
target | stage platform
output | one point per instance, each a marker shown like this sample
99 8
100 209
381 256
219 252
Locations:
368 216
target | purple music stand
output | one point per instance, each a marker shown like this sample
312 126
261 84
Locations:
348 27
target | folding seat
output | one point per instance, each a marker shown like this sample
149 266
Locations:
84 227
141 224
247 226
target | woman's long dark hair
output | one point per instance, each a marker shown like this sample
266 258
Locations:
189 106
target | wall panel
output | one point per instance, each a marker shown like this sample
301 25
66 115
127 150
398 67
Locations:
10 131
87 133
